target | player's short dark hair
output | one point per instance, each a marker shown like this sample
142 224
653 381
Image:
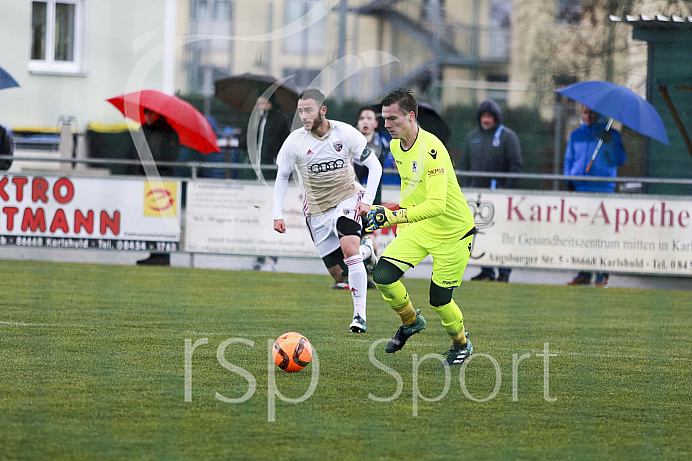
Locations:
364 108
315 94
404 97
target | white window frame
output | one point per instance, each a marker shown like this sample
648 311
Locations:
49 64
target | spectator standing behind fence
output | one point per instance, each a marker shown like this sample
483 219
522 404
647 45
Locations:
188 154
378 145
492 147
272 131
164 145
611 154
6 148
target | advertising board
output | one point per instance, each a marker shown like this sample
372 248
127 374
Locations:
89 213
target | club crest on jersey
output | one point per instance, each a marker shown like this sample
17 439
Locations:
338 146
414 166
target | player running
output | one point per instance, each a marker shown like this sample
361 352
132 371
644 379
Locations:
433 219
322 153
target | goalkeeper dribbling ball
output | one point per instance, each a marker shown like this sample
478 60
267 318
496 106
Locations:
292 351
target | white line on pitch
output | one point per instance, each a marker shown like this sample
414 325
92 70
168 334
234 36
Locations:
22 324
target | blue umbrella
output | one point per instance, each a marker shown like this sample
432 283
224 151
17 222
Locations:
619 103
6 80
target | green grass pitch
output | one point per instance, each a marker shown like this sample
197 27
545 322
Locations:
94 365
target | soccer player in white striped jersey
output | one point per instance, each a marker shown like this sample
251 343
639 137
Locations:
322 154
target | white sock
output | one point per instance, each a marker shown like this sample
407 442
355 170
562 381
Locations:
358 282
365 252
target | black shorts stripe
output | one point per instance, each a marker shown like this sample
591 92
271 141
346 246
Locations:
471 232
398 260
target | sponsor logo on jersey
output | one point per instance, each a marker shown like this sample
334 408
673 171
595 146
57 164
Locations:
414 166
436 171
324 167
433 154
338 146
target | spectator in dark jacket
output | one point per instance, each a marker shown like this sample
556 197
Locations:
164 144
492 147
272 131
162 140
6 148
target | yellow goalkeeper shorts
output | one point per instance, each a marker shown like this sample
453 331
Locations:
449 258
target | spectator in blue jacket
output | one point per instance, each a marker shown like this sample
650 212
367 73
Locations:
580 148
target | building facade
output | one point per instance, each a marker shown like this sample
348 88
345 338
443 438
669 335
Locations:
359 49
69 56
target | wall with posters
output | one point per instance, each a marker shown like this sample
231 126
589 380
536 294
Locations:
97 213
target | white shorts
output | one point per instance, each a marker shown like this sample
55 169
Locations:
323 227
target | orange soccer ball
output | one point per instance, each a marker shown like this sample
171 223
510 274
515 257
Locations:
292 351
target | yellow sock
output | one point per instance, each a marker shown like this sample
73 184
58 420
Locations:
453 321
460 338
396 296
407 313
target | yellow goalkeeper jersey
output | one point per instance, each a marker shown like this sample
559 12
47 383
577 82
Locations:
430 191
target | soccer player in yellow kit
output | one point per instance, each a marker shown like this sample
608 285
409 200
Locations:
433 219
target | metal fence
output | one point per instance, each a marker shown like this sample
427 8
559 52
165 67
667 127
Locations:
248 171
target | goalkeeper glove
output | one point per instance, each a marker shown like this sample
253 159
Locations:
379 217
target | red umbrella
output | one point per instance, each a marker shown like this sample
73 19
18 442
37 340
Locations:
193 129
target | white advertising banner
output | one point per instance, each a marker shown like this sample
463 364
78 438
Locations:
236 218
594 232
96 213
